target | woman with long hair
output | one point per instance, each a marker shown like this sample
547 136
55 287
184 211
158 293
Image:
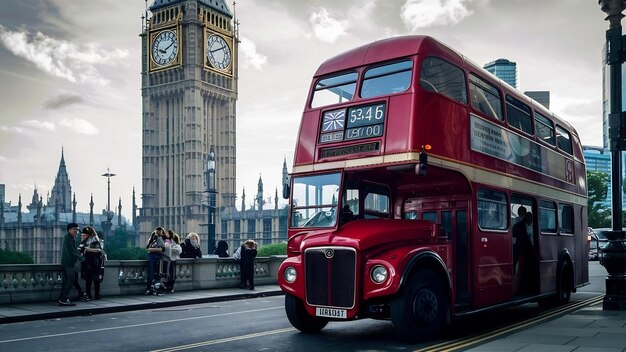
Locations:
93 266
155 248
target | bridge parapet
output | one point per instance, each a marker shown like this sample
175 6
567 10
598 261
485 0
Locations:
42 282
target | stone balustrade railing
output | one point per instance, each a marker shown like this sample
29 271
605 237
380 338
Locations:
42 282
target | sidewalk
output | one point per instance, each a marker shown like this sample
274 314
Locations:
12 313
589 329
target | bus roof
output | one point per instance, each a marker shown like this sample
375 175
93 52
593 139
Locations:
384 49
397 47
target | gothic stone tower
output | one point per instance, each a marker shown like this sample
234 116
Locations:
189 91
61 196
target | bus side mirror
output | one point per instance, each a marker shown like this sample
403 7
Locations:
286 191
420 168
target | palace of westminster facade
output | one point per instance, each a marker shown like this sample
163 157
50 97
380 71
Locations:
189 93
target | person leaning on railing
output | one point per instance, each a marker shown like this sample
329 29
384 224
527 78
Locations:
191 246
155 249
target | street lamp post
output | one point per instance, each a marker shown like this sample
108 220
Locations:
109 215
211 192
614 253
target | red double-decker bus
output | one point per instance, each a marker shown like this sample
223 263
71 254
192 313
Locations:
425 188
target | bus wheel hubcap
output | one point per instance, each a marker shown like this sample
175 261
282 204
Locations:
425 306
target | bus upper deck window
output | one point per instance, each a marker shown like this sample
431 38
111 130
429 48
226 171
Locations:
563 140
441 77
518 115
334 90
388 79
545 129
485 97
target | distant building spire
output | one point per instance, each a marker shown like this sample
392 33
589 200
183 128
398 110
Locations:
39 205
243 200
119 214
135 225
285 175
259 194
91 211
62 189
32 207
19 209
276 200
74 209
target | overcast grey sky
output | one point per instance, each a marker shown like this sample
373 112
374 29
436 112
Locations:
70 76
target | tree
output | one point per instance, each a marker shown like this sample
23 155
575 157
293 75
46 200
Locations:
597 186
128 253
10 257
119 240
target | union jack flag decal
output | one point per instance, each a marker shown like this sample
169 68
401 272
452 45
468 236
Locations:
334 120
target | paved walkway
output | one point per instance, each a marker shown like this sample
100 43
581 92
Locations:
589 329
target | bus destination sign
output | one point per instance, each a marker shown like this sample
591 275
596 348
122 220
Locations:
357 122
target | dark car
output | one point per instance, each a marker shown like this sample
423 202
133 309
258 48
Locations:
597 241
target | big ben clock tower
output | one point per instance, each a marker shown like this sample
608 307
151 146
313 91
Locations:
189 91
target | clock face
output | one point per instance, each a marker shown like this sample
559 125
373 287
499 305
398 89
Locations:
165 48
218 52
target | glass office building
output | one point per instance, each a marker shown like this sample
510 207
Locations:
505 70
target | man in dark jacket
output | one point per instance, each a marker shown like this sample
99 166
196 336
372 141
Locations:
69 257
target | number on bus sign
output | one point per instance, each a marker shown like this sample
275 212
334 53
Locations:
366 115
364 132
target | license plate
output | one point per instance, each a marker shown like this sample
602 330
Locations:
331 313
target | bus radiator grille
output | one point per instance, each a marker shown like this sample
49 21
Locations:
330 276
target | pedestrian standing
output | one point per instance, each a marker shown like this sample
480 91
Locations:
70 256
247 254
155 249
171 254
93 266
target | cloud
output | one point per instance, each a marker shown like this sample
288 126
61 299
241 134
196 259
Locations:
12 129
418 14
326 28
80 126
61 58
62 100
41 125
250 56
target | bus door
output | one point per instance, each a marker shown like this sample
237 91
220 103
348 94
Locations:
524 246
452 216
491 246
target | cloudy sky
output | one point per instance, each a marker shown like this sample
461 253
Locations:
70 76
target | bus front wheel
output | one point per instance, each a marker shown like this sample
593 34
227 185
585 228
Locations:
419 311
299 318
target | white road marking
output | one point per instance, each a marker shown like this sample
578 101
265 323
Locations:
168 321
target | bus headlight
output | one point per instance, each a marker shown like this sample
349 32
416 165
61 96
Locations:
379 274
290 274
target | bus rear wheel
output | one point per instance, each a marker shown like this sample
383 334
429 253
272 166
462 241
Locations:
563 288
299 318
419 311
563 285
